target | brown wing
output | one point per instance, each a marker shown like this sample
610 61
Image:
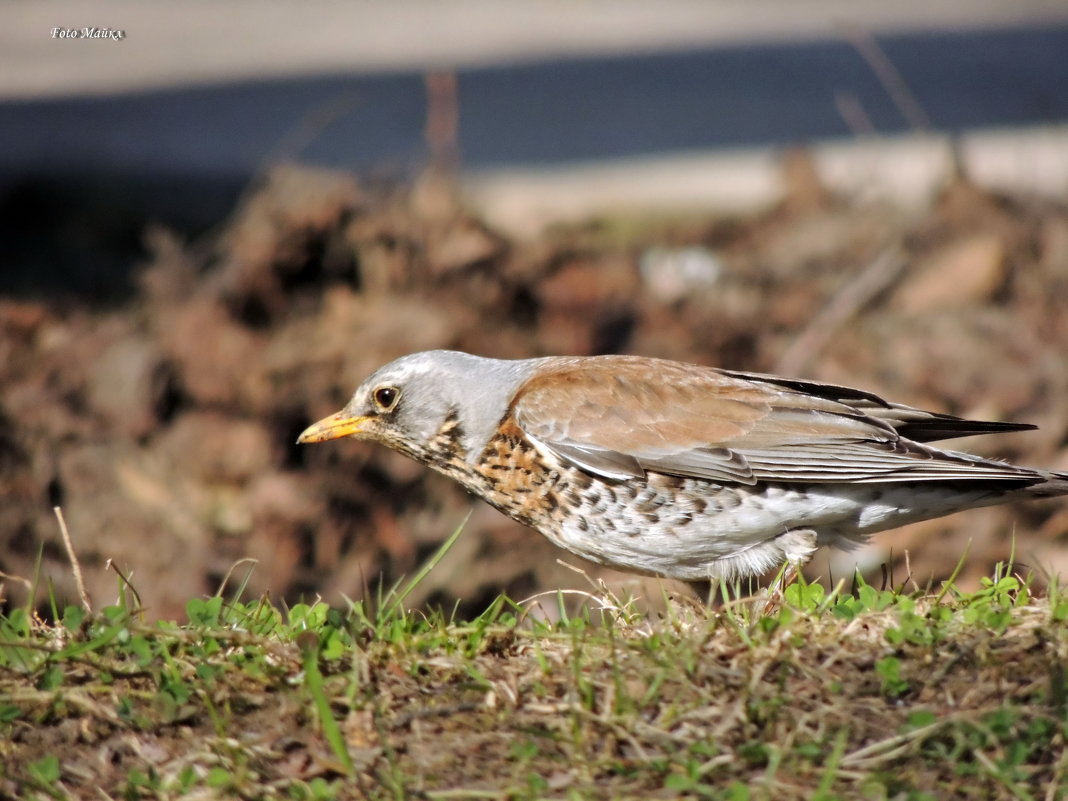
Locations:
621 416
909 422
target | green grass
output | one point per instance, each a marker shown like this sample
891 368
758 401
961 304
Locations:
864 693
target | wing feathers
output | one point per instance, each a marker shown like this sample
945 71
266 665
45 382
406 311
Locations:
622 416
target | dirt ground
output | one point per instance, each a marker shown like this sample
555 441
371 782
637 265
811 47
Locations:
165 425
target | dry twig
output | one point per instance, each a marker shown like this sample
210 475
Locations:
849 300
74 566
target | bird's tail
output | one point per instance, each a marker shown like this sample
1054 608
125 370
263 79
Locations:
1053 485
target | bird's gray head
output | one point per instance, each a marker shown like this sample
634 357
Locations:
411 402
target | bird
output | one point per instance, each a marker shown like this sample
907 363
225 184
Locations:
674 469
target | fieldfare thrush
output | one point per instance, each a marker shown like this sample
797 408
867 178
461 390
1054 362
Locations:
675 469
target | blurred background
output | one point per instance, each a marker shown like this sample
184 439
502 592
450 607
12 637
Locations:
217 219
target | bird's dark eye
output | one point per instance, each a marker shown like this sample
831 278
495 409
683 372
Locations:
386 398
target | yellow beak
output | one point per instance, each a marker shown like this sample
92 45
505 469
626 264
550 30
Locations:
333 427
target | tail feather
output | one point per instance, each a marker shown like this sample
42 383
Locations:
943 426
1053 485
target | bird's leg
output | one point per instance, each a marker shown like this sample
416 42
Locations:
797 547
